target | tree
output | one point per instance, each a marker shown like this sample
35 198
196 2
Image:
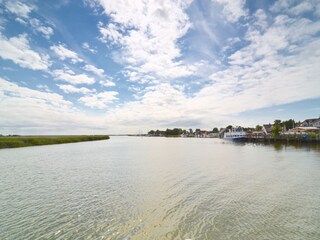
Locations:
173 132
229 127
215 130
152 132
289 124
278 122
258 128
276 128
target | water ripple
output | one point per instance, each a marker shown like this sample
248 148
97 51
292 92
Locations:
132 188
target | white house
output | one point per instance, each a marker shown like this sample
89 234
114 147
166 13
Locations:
311 122
316 123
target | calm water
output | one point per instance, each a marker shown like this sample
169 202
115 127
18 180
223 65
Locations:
159 188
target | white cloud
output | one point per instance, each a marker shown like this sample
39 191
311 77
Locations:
301 8
13 90
94 4
281 5
90 68
148 33
17 49
29 111
99 100
70 77
22 21
261 19
72 89
43 87
317 9
3 22
134 75
294 7
36 26
283 33
111 33
39 27
162 105
64 53
277 61
277 67
86 46
107 83
232 9
280 65
19 8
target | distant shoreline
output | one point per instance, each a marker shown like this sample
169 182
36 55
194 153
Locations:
28 141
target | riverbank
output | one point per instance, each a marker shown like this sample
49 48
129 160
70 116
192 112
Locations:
27 141
298 138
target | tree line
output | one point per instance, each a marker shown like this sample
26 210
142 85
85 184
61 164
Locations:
175 132
278 126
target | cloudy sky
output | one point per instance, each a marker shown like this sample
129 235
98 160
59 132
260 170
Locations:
128 66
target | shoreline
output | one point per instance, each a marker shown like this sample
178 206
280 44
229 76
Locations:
29 141
264 139
284 139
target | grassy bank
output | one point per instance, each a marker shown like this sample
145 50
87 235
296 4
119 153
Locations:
26 141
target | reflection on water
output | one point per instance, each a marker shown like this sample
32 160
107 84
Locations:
160 188
282 146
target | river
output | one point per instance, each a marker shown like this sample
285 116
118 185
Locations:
160 188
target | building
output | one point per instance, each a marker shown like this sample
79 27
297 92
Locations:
213 135
304 130
311 122
200 133
267 129
316 123
221 132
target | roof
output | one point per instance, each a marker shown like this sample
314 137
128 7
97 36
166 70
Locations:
303 129
268 127
310 120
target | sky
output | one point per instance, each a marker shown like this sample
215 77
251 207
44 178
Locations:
128 66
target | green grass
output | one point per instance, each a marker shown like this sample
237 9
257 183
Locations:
26 141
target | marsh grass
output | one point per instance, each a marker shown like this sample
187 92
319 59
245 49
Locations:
26 141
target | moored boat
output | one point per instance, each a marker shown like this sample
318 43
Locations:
235 134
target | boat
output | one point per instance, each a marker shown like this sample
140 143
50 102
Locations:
235 134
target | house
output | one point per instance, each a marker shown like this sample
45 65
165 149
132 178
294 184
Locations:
316 123
213 135
197 133
257 134
303 130
221 132
200 133
267 129
310 122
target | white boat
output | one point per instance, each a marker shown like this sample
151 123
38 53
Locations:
235 134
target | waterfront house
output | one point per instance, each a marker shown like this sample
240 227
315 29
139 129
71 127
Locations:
213 135
311 122
197 133
257 134
267 129
304 130
221 132
201 133
316 123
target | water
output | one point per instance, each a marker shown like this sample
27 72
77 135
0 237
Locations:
160 188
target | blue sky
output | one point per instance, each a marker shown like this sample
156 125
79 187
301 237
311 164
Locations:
124 66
